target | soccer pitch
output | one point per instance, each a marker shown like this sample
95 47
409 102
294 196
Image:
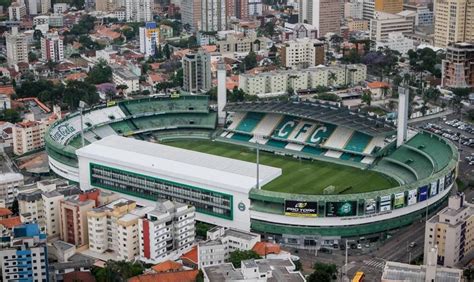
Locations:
298 176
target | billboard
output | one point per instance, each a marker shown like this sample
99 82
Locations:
370 206
449 179
423 193
385 203
399 200
348 208
301 208
434 188
441 185
412 196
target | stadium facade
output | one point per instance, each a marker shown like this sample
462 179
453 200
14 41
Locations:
224 190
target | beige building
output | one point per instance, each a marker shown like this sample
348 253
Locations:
9 183
357 24
451 231
105 5
17 11
454 22
17 47
458 66
241 44
114 227
384 24
29 136
279 82
191 14
322 14
302 53
389 6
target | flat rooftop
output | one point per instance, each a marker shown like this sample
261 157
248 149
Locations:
176 164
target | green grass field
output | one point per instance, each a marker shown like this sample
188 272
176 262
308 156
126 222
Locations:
299 177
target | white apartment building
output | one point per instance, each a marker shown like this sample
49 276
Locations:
139 10
9 183
122 76
197 72
29 136
40 20
279 82
17 47
32 7
213 15
383 24
17 11
354 9
52 48
114 227
451 231
166 232
368 9
302 53
59 8
45 6
221 242
56 20
396 41
255 8
240 44
149 39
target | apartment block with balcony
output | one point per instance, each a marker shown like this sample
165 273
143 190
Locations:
9 183
458 66
302 53
451 231
166 232
29 136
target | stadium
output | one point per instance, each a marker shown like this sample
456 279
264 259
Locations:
324 171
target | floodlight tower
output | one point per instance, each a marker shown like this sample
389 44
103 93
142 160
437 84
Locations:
402 120
221 92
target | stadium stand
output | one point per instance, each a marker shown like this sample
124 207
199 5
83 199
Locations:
358 142
314 150
249 122
333 154
241 137
268 124
294 147
162 105
302 131
420 164
276 143
375 142
339 137
399 172
123 127
438 151
182 133
104 131
167 121
321 134
236 119
285 127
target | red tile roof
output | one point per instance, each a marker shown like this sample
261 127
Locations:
78 276
192 255
10 222
167 266
5 211
180 276
7 90
377 84
265 248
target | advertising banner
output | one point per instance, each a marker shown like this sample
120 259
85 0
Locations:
399 200
385 203
301 208
348 208
441 185
423 194
370 206
412 196
434 188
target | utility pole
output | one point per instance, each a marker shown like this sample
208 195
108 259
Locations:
82 105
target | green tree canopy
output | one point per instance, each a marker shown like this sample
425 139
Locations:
323 272
100 73
236 257
10 115
117 271
80 91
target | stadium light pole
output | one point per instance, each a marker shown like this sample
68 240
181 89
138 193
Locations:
82 105
257 141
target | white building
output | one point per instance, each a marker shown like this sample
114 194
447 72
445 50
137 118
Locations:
32 7
396 41
255 8
149 39
40 20
114 227
60 8
139 10
29 135
384 23
221 242
278 82
166 232
170 172
368 9
56 20
17 11
213 15
197 72
17 47
302 53
122 76
9 183
354 9
52 48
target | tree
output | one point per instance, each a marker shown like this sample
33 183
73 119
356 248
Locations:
249 62
129 33
100 73
167 51
332 78
158 52
459 94
236 257
32 57
117 271
121 88
367 97
15 207
80 91
37 34
323 272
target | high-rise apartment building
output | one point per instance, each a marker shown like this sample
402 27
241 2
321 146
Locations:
17 11
458 66
139 10
26 257
191 14
322 14
454 22
166 232
389 6
451 231
149 39
197 72
386 23
213 15
9 183
52 48
45 6
302 53
17 47
105 5
29 135
237 8
368 9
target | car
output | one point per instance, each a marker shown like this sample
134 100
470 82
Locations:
471 163
359 246
412 244
325 250
470 158
367 245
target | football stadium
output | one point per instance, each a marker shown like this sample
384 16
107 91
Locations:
323 171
